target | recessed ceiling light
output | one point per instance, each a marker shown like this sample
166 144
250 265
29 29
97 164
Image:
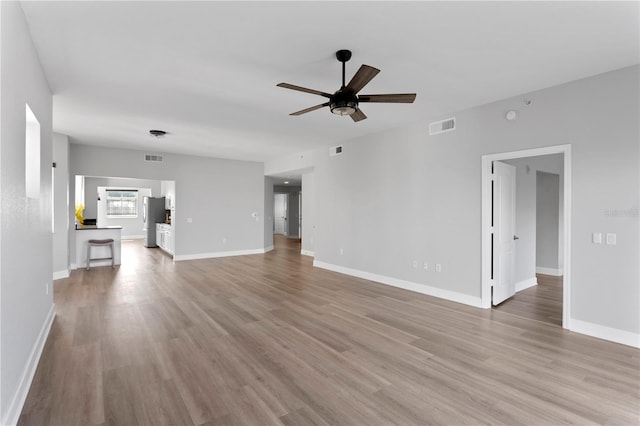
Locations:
157 133
286 182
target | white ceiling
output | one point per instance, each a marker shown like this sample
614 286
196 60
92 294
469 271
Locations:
206 72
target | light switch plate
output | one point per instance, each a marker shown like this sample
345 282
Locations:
596 238
611 239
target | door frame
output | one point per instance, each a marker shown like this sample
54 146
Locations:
486 221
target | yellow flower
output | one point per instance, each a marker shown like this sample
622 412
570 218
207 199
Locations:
79 213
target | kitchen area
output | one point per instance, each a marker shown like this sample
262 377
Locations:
157 215
137 210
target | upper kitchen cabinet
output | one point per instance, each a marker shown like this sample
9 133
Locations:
168 189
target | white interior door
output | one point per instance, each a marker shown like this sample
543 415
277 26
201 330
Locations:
504 227
280 213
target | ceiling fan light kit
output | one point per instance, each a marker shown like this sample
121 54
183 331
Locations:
346 101
343 106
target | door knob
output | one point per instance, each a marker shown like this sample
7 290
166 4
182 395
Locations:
516 237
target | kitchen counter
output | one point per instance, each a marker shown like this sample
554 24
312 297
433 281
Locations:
93 232
90 227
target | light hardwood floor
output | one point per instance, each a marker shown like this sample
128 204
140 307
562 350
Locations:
542 302
268 339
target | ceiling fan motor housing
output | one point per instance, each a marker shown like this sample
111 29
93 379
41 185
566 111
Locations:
343 102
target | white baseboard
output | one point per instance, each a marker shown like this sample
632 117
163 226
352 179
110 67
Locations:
268 249
58 275
307 253
603 332
407 285
20 396
218 254
557 272
525 284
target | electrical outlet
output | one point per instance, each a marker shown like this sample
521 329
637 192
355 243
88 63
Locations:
341 252
189 220
611 239
414 264
596 238
224 240
438 267
425 265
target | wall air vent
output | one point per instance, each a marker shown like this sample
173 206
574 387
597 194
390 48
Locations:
335 150
442 126
150 157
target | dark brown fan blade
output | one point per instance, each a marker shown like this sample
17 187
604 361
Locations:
405 98
358 115
364 75
313 108
303 89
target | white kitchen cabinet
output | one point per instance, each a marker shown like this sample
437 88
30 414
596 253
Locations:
164 237
169 241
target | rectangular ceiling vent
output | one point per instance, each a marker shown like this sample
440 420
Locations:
150 157
335 150
442 126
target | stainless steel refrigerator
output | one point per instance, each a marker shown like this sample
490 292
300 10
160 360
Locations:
152 212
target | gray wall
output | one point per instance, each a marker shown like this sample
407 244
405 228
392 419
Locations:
26 242
268 212
439 195
308 213
218 195
547 212
61 205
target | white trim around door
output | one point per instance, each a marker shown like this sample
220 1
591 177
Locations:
486 222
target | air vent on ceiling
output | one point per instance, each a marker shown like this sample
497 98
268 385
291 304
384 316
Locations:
442 126
150 157
335 150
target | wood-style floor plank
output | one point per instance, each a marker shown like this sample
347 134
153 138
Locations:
542 302
271 340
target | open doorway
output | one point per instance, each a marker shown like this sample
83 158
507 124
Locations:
299 230
121 202
525 235
534 242
286 210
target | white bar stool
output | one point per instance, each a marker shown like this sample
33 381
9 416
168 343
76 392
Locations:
100 243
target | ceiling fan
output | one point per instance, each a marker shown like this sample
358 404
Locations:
345 101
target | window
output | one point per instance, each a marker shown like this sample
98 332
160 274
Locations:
32 154
122 203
